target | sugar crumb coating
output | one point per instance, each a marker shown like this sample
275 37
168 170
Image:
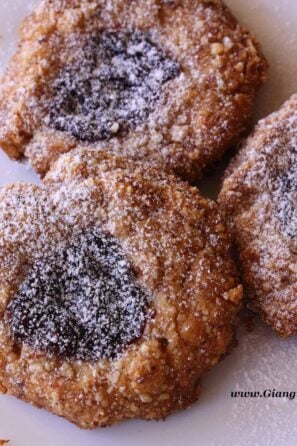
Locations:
170 82
177 249
259 196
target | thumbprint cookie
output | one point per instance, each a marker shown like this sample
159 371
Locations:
117 291
259 196
167 81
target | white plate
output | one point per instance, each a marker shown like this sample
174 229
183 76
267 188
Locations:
262 361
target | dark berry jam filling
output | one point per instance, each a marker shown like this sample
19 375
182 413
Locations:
285 198
81 302
112 86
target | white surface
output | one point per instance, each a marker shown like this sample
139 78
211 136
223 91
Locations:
262 361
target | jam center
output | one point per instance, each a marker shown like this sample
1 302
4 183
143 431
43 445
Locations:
285 197
112 86
81 302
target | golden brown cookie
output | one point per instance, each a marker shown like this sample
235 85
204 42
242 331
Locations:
172 82
117 290
259 196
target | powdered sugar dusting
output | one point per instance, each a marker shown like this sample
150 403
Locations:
285 196
261 197
87 301
275 171
257 353
167 80
113 85
81 302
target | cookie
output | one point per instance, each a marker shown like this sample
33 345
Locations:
169 82
117 291
259 196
